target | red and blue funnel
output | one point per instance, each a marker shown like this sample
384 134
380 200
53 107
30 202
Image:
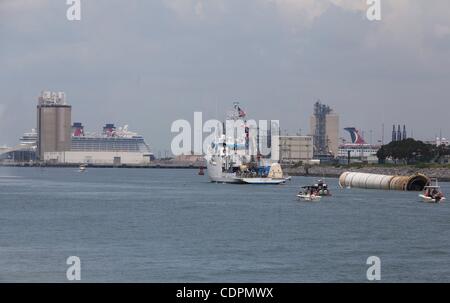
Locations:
356 137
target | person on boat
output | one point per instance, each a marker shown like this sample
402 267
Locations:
320 185
434 193
438 195
322 188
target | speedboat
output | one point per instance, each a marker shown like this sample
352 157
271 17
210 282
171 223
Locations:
432 194
309 197
82 168
309 193
319 189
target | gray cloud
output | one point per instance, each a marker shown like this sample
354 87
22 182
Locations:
147 63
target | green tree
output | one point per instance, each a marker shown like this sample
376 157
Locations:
408 150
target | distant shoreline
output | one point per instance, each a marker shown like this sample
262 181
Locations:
150 166
441 173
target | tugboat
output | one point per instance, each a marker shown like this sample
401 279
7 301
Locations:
432 194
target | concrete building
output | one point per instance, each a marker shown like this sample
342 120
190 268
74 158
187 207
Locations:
53 124
324 127
441 141
97 158
294 149
189 158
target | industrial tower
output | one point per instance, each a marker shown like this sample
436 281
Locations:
398 135
325 130
320 135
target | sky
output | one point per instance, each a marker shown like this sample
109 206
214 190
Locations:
149 63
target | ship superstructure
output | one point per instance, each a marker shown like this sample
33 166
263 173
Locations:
29 139
112 139
230 159
358 149
112 146
228 153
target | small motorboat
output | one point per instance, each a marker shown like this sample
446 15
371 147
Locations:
309 197
319 189
309 193
82 168
432 194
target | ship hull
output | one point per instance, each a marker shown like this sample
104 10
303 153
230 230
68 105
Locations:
225 179
263 181
216 174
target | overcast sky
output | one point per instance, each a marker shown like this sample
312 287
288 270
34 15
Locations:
148 63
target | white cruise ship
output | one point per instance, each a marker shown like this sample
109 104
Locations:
110 140
29 139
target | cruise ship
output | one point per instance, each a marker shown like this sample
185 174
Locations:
25 151
111 139
111 146
358 149
29 139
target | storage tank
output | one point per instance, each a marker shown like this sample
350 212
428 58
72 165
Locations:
415 182
53 124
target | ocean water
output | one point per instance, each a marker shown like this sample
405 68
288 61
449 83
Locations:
156 225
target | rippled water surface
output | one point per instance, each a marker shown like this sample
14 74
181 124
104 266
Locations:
155 225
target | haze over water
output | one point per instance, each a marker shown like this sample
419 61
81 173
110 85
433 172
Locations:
154 225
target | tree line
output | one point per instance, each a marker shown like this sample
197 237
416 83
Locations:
411 151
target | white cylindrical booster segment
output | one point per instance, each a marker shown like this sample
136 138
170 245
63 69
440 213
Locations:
373 181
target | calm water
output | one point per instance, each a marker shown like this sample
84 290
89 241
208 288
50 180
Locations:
174 226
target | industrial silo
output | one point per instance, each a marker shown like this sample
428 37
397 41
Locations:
53 124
